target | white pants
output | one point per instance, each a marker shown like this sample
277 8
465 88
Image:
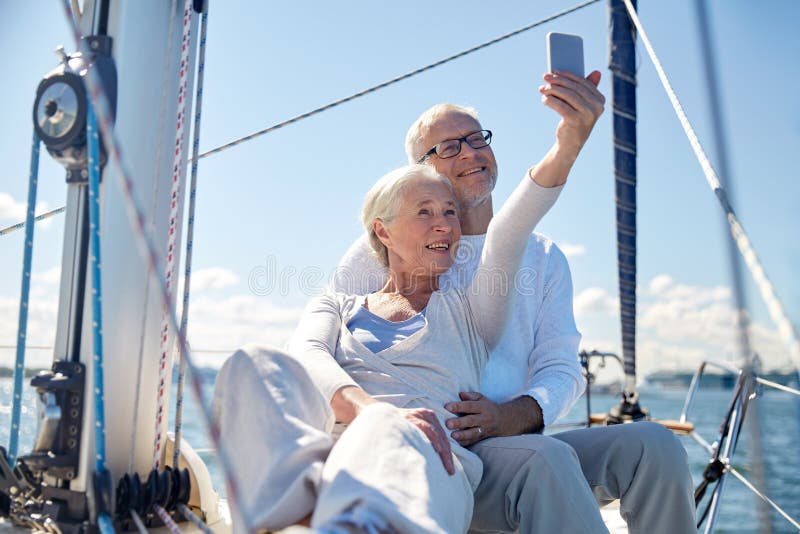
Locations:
382 473
535 483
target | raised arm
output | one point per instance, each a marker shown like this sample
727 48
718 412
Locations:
492 288
552 379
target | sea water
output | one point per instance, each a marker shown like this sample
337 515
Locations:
777 425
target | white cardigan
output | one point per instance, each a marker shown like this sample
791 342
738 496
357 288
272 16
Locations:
429 368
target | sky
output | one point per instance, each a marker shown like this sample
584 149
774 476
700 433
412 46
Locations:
287 203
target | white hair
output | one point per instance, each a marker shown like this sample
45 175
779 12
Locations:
414 150
383 200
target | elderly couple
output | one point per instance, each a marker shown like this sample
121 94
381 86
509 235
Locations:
417 404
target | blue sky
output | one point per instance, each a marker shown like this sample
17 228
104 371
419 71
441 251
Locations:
289 201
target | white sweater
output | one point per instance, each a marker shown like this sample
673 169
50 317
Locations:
537 354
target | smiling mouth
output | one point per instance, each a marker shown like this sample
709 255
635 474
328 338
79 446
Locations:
441 246
473 170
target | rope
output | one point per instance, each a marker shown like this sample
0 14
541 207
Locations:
27 261
187 274
172 235
105 524
93 143
191 516
714 105
20 225
164 516
148 250
393 81
785 327
753 424
622 63
138 522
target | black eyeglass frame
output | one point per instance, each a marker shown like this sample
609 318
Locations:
487 137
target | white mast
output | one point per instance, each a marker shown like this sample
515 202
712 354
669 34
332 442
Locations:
147 101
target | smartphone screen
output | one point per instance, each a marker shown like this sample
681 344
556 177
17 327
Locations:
565 53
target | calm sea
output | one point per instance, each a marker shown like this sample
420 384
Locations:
778 425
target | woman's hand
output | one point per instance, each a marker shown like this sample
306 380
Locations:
427 421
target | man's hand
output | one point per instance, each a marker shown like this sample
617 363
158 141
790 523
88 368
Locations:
578 102
427 421
480 418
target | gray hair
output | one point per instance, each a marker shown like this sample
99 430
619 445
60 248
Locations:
383 200
414 150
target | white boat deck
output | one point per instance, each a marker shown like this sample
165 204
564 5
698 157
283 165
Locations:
612 519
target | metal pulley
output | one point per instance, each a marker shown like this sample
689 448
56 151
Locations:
60 108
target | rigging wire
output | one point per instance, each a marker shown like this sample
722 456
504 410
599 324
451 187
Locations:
378 87
753 423
395 80
27 261
735 472
187 274
148 250
40 217
776 310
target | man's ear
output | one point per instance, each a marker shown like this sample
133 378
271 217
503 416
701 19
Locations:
382 232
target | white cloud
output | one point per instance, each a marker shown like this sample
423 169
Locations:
595 300
572 250
212 278
678 326
10 209
42 312
659 284
231 322
50 276
14 211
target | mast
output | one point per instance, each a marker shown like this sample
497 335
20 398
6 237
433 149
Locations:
622 63
135 49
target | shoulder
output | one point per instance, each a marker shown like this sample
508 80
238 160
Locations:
544 250
333 301
359 270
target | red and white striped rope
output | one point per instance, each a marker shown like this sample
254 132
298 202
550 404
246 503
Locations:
172 257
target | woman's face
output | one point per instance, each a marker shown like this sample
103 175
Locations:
422 238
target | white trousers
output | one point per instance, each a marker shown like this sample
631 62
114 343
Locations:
382 473
535 483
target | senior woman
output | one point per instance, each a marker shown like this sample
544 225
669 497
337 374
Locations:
382 366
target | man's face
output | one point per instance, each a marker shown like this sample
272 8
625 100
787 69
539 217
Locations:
473 172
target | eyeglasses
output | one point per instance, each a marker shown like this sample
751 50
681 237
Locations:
450 148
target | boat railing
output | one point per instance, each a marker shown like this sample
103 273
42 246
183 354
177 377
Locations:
721 451
695 383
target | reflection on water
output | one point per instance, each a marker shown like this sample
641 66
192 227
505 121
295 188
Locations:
779 428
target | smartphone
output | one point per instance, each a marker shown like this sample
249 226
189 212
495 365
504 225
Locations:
565 53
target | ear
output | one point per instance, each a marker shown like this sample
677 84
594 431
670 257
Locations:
382 231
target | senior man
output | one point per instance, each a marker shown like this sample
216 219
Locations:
532 482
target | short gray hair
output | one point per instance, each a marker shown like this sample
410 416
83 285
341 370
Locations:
383 200
414 150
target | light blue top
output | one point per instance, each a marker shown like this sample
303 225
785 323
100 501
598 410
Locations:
377 333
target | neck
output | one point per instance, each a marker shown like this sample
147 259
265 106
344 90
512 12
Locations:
412 287
475 220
